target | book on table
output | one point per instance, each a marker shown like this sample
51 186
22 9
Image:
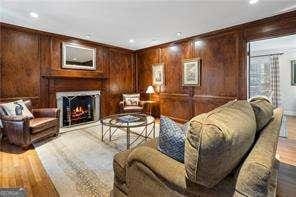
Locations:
128 118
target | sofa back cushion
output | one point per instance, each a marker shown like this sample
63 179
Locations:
263 110
131 99
217 141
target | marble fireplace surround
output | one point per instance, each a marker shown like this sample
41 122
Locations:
95 93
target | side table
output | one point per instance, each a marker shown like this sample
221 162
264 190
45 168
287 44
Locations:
150 104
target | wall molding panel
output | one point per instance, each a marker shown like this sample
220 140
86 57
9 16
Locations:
223 71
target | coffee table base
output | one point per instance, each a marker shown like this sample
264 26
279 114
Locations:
145 133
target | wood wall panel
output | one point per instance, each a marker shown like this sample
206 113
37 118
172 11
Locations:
122 77
144 61
20 64
204 104
31 68
220 55
172 57
220 64
223 71
176 106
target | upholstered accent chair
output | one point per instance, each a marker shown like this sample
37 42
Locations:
23 131
131 103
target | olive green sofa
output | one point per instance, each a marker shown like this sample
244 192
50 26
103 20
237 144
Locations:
229 151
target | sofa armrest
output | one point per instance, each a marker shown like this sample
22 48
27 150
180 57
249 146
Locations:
159 167
46 112
17 118
121 104
142 103
17 129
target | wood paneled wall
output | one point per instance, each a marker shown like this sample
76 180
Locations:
223 71
31 68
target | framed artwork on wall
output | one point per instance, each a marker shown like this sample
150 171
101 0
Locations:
293 72
158 74
191 72
78 57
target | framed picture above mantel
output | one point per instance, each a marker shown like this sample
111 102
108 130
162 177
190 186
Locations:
191 72
76 56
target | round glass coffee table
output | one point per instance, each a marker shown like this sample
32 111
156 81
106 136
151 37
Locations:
145 125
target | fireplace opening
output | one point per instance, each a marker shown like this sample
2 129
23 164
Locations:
78 109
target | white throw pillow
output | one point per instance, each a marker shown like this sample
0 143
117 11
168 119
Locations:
10 108
131 99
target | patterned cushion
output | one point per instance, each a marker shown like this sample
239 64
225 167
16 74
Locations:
171 139
9 108
131 99
263 111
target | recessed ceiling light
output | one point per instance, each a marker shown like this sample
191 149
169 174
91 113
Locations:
131 40
179 34
198 43
253 1
34 15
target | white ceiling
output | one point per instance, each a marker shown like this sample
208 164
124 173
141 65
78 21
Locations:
147 22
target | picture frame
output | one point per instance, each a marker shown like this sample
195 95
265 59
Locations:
158 74
76 56
191 72
293 72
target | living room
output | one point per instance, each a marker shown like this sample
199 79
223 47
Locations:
119 99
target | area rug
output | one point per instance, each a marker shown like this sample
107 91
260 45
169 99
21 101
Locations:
79 163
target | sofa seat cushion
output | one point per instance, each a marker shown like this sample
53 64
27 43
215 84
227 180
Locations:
263 110
40 124
120 162
133 108
217 141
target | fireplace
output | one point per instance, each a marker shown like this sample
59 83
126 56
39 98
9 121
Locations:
78 107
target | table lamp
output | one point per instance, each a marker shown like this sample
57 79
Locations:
150 90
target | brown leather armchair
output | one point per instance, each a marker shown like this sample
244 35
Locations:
23 131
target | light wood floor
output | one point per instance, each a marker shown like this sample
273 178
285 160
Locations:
20 168
287 156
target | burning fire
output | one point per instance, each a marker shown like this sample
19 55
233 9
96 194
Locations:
78 113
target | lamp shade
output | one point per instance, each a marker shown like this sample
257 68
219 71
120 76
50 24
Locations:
150 90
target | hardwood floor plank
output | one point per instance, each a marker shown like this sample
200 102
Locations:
23 168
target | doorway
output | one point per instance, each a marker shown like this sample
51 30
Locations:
272 74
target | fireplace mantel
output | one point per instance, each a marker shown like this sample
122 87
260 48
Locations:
77 93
